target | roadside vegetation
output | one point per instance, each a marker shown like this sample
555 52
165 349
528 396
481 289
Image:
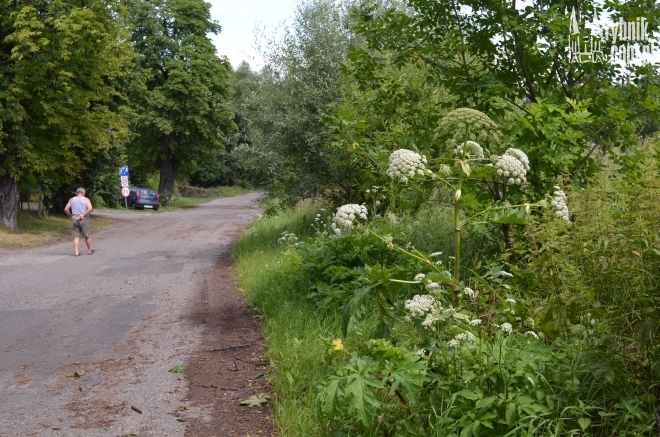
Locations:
482 252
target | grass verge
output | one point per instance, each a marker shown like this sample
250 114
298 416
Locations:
291 327
36 232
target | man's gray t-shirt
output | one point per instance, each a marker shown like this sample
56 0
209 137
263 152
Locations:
78 205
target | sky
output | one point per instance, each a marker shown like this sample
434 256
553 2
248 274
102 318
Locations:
238 20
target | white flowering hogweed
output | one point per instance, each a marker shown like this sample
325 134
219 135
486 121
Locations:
347 215
405 164
513 166
559 204
469 149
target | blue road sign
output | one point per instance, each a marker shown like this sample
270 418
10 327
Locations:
123 170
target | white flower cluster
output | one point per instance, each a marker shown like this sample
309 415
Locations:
513 166
533 334
475 322
346 216
421 304
405 164
559 204
468 292
469 149
444 170
465 337
428 308
506 328
287 238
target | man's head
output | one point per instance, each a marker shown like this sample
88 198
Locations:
80 191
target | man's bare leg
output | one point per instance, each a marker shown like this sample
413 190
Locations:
76 243
88 242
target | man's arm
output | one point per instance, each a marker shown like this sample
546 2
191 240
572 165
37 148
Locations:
89 206
67 208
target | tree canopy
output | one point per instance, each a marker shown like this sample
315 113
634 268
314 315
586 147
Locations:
59 107
183 115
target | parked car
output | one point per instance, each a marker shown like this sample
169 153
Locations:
142 198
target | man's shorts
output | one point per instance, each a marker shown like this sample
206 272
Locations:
80 228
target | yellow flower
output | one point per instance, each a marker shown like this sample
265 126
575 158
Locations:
337 344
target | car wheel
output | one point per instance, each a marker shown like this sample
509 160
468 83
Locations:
155 209
133 205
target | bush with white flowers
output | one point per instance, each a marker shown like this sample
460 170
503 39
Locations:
404 164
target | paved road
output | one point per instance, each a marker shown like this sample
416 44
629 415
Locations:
84 339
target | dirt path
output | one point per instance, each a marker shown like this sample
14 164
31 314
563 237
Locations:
86 342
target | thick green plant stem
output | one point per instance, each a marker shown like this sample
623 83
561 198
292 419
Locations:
457 232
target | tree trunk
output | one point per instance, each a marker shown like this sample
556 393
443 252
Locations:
9 199
169 168
40 205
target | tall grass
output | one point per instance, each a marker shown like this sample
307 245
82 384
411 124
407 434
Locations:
292 329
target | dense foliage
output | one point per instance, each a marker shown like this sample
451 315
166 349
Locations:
84 85
183 116
59 106
486 273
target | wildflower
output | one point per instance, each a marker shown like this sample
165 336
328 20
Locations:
432 285
513 166
454 343
436 254
444 170
405 164
346 215
287 237
429 320
506 328
559 204
508 310
475 322
421 304
530 380
419 276
480 127
337 344
509 300
470 149
421 353
533 334
506 274
468 292
465 337
529 322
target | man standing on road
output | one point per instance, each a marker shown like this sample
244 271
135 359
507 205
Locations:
78 209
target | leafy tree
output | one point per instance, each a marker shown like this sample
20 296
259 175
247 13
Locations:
514 64
58 105
183 113
299 82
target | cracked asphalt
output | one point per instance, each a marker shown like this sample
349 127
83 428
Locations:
86 342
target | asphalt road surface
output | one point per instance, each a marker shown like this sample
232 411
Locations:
86 342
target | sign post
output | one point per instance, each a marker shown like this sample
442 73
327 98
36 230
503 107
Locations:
123 177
